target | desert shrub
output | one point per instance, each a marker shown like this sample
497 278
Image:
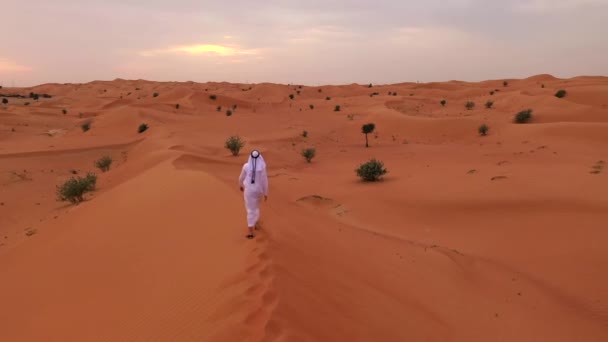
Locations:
470 105
234 144
371 171
542 85
443 102
505 83
35 97
229 112
219 108
309 154
351 116
483 129
312 107
177 106
213 97
489 104
492 92
367 129
26 104
328 98
73 190
524 116
370 85
305 134
85 126
103 163
291 96
298 92
155 95
560 93
395 94
320 90
65 111
337 109
4 100
390 93
233 107
142 128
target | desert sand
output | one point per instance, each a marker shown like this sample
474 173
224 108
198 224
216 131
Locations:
501 237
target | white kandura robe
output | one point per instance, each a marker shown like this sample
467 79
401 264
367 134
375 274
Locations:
254 192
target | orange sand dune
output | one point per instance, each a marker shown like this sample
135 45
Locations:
468 238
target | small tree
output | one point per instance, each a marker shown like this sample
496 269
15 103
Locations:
305 134
483 129
155 95
489 104
4 100
312 107
443 102
291 96
309 154
524 116
337 109
371 171
73 190
367 129
213 97
470 105
234 144
104 163
85 126
560 93
229 112
142 128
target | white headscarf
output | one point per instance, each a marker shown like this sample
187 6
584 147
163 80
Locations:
256 163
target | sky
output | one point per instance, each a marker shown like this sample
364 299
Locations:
310 42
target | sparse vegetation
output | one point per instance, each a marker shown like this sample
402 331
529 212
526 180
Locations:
483 129
312 107
177 106
291 96
65 111
492 92
367 129
298 92
337 108
524 116
305 134
542 85
26 104
213 97
155 95
320 90
351 116
234 144
73 190
371 171
560 93
104 163
142 128
443 102
370 85
395 94
229 112
309 154
470 105
4 101
233 107
85 126
489 104
219 108
328 98
505 83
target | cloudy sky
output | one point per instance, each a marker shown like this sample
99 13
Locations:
301 41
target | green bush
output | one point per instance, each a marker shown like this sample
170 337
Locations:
104 163
337 109
367 129
483 129
73 190
371 171
234 144
560 93
309 154
213 97
470 105
489 104
142 128
443 102
85 126
524 116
